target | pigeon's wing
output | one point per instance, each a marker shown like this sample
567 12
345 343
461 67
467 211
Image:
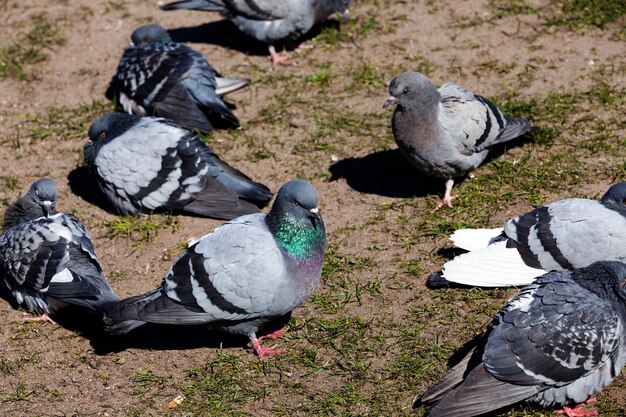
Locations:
201 84
553 333
474 121
55 256
231 274
249 9
568 234
148 82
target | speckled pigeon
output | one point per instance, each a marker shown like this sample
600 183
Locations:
564 235
247 274
269 20
557 342
145 164
446 133
47 259
159 77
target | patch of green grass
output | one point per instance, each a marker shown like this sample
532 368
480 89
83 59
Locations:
141 229
585 13
66 122
145 381
16 59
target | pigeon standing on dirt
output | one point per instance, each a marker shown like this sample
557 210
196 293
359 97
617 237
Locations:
149 163
269 21
564 235
557 342
446 132
47 259
159 77
247 274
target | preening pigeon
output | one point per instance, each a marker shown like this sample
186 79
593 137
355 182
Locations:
144 164
247 274
47 259
557 342
564 235
269 20
446 133
159 77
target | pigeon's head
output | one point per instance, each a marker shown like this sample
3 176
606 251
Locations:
615 198
41 198
150 33
603 278
105 129
410 89
298 199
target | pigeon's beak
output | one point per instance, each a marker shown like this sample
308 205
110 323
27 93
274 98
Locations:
316 217
346 15
390 100
47 206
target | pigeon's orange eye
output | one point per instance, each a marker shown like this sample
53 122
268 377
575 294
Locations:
297 203
102 135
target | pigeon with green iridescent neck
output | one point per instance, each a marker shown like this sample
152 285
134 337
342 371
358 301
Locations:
243 278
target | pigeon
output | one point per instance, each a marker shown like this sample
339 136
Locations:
47 259
158 77
557 342
247 274
150 163
269 21
446 133
563 235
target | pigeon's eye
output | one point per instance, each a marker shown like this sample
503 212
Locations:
406 90
297 203
102 135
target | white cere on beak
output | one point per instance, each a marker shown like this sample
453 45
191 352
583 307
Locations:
314 210
47 203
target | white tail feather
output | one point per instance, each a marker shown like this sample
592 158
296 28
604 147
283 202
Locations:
225 85
492 266
472 239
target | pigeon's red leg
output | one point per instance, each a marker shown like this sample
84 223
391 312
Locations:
579 411
268 351
276 58
43 317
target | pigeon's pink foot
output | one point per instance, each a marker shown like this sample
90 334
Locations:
302 47
579 411
447 197
43 317
276 58
266 351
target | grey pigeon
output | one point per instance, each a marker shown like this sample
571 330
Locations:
47 259
563 235
446 132
245 275
269 21
145 164
157 76
557 342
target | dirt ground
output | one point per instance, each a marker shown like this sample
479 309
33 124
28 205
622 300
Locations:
373 336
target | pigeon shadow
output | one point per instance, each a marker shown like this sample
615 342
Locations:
225 34
84 185
386 173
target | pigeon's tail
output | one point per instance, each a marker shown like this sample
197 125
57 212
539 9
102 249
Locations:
479 394
204 5
472 239
450 380
239 183
227 85
222 205
152 307
492 266
515 127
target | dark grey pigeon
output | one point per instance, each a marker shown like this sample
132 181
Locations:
564 235
47 259
159 77
149 163
246 275
446 132
557 342
269 20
